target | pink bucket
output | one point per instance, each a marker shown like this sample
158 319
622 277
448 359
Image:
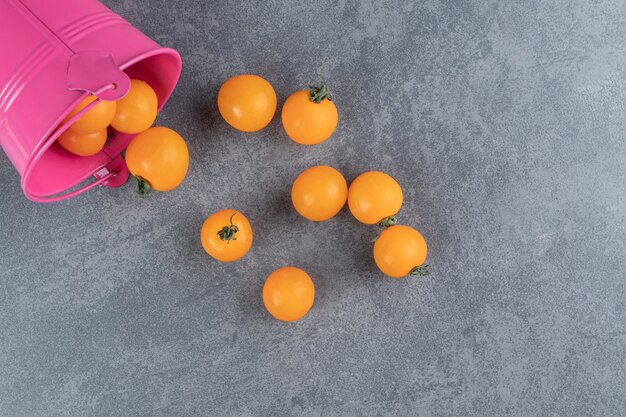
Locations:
55 53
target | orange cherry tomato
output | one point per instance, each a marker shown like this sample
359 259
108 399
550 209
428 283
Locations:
319 193
400 251
247 102
288 293
374 197
158 158
137 110
83 144
309 116
96 119
226 235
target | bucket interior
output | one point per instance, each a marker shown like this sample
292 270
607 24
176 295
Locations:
58 169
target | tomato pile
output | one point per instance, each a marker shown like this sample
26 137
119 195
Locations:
309 117
87 135
156 156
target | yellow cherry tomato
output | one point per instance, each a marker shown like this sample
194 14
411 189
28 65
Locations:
400 251
288 293
96 119
319 193
226 235
374 197
158 158
137 110
247 102
309 116
83 144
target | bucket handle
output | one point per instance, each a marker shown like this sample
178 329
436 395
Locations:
43 147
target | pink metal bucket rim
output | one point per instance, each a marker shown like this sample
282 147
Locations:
54 131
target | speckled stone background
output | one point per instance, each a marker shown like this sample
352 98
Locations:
504 122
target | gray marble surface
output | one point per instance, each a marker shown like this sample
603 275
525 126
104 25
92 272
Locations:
504 123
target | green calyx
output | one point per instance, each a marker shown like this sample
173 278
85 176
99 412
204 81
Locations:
143 186
227 233
317 93
420 271
388 222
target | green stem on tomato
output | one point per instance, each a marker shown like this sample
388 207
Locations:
227 233
317 93
388 222
143 186
420 271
